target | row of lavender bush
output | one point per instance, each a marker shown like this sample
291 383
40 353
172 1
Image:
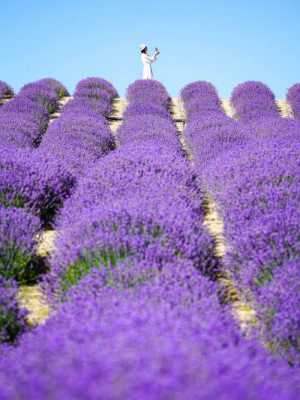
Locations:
24 119
81 134
140 320
255 181
34 183
31 188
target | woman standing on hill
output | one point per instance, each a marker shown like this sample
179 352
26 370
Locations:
147 60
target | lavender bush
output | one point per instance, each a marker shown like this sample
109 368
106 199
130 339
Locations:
208 131
293 98
96 83
148 91
42 93
37 184
12 317
24 120
58 87
81 135
18 232
253 100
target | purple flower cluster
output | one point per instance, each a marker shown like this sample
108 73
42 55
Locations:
143 334
147 97
24 119
18 238
81 135
293 98
272 128
90 87
253 100
200 99
5 90
208 131
12 317
36 183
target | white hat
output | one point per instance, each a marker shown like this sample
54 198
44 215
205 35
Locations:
142 46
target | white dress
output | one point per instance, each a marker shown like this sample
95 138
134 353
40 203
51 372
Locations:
147 61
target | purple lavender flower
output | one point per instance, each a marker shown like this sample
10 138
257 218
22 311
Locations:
96 83
151 91
18 233
253 100
198 90
59 88
24 119
34 181
81 135
293 98
42 93
12 317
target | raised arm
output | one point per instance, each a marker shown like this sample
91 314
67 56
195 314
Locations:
152 59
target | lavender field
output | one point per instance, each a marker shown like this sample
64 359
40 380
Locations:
149 246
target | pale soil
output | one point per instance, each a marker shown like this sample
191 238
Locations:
116 118
62 102
243 312
5 100
284 109
46 243
228 108
31 297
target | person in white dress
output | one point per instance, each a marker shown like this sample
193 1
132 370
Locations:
147 60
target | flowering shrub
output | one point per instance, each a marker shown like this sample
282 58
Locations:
272 128
37 184
59 88
18 233
95 83
208 131
12 317
81 135
148 91
143 127
293 98
24 119
42 93
197 90
253 100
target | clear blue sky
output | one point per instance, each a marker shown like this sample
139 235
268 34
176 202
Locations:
225 42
